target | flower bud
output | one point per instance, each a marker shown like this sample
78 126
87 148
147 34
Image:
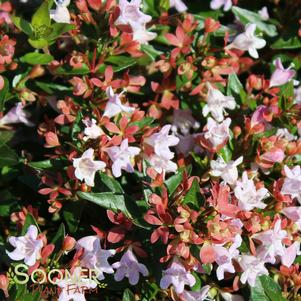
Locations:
4 283
36 71
68 244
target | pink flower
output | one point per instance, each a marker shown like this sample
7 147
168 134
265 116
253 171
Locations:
285 134
92 130
281 76
179 5
264 14
27 247
177 275
86 167
114 105
247 195
162 141
16 115
7 50
216 4
252 268
94 256
75 286
224 256
292 182
217 133
129 267
195 296
294 214
122 157
247 41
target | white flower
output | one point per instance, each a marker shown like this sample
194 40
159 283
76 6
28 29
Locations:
224 257
264 14
217 102
271 243
292 182
162 141
142 35
196 295
284 133
217 133
247 41
294 214
179 5
297 93
114 105
252 268
92 130
247 195
130 268
27 247
16 115
162 165
94 256
86 167
130 14
227 171
183 122
216 4
74 287
61 13
122 157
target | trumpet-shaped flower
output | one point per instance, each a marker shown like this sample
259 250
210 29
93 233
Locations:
86 167
264 13
294 214
224 256
183 122
162 141
162 165
130 14
177 275
216 4
94 256
217 133
16 115
61 13
179 5
195 296
142 35
122 157
75 286
252 267
227 171
248 41
284 133
129 267
281 75
92 130
292 182
247 195
217 102
114 105
27 247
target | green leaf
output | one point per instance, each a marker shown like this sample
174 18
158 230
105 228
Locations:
111 183
50 88
225 153
121 62
23 25
271 288
42 16
58 239
146 121
235 88
39 43
29 220
72 214
290 43
193 197
58 29
35 58
4 93
128 295
106 200
8 156
173 182
151 51
246 16
257 292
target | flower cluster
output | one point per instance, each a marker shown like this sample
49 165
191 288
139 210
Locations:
155 144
